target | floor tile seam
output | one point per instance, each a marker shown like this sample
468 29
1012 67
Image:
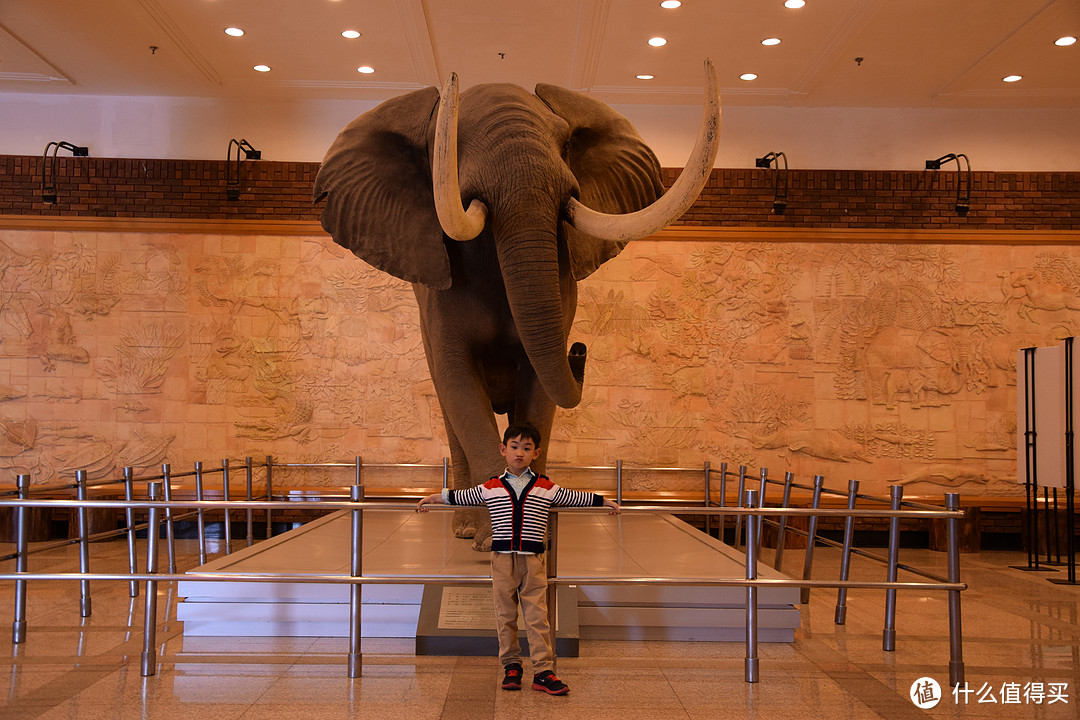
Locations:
674 690
1016 607
870 692
65 686
481 690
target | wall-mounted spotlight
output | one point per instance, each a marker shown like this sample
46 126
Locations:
963 181
232 179
779 204
48 167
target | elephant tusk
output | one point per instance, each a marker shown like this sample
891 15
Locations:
679 197
456 222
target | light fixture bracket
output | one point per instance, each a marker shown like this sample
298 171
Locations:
232 165
48 167
963 182
780 194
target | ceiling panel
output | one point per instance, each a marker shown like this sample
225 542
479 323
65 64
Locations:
915 53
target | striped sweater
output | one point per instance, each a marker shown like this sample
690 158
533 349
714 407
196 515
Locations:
519 524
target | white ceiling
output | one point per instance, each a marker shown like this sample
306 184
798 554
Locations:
915 53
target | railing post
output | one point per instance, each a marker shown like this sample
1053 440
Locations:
708 500
84 543
358 470
269 496
129 518
618 482
153 530
445 472
739 503
888 635
226 498
761 504
811 539
170 545
200 521
785 502
845 557
249 496
753 530
956 641
22 542
721 520
552 566
356 569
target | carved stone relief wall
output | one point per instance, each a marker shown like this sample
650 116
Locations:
878 362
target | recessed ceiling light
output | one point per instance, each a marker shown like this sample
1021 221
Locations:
1065 41
748 76
351 34
670 4
262 68
794 4
1012 78
366 69
234 31
645 77
771 41
657 42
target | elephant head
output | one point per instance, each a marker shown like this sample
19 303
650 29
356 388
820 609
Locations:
556 183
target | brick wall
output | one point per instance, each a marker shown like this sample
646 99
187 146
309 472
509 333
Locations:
147 188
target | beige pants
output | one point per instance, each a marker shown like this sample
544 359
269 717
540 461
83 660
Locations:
522 578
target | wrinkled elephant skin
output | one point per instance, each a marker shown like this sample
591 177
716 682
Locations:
495 310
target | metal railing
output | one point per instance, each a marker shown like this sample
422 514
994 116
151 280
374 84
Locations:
160 509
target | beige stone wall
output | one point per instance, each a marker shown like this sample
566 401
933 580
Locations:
874 361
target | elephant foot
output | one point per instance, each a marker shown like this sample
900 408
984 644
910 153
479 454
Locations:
482 541
465 523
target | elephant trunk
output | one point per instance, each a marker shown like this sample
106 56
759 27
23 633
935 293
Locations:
542 302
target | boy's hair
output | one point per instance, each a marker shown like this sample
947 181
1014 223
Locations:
522 430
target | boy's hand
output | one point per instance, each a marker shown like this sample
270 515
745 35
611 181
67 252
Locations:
615 509
435 498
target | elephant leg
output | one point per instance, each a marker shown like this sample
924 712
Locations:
474 441
465 522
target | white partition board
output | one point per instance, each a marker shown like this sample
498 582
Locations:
1042 410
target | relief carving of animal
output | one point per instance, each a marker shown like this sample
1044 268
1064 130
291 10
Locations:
917 366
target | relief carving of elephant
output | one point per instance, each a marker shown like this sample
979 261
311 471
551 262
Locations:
917 365
555 183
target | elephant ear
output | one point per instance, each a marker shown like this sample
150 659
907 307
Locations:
376 178
615 170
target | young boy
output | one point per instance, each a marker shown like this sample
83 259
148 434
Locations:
518 501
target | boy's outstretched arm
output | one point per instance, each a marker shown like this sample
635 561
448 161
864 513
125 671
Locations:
433 499
615 509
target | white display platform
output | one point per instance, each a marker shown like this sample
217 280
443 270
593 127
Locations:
408 543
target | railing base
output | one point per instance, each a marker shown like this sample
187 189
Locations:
751 670
956 673
149 663
18 632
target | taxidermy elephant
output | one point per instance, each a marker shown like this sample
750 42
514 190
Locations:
555 184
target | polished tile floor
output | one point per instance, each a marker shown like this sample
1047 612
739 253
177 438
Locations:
1021 635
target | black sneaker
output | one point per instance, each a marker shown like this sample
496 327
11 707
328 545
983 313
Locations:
550 684
512 678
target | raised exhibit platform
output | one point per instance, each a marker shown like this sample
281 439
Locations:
407 543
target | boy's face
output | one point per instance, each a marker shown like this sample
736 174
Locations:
519 453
